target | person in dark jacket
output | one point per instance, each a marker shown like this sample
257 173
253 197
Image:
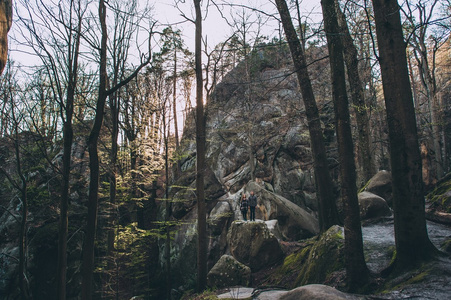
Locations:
243 206
252 204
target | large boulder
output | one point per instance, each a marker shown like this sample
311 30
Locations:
381 185
252 244
372 206
325 257
317 261
316 292
228 272
294 222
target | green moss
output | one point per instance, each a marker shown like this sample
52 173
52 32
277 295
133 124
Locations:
418 278
439 197
325 257
363 187
446 246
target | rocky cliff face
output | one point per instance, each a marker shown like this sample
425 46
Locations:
6 13
256 129
257 140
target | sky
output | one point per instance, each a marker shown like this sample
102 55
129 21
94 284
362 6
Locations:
215 27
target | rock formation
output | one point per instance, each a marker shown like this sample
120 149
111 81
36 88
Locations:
372 206
6 13
380 184
229 272
252 244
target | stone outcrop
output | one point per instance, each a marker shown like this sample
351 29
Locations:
6 13
315 262
252 244
381 185
228 272
253 132
372 206
294 222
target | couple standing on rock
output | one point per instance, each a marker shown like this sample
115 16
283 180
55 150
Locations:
251 203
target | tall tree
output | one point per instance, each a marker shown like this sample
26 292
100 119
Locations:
356 270
426 43
126 21
93 194
328 214
357 95
58 50
200 156
411 237
18 181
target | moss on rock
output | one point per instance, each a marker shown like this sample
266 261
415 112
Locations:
314 263
325 257
440 197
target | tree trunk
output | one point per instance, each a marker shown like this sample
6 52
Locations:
23 222
88 247
200 158
68 135
328 215
356 271
168 212
358 99
412 241
114 107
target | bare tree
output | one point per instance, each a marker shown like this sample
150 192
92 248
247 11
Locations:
200 156
356 271
18 180
63 26
357 96
422 19
328 215
412 242
103 93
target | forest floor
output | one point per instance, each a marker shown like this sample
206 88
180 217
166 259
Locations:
432 280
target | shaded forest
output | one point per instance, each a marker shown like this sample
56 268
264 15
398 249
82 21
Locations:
127 144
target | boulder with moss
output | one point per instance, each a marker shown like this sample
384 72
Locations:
252 244
229 272
315 262
439 202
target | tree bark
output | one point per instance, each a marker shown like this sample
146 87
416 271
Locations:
200 158
357 273
88 247
328 214
67 152
357 96
412 241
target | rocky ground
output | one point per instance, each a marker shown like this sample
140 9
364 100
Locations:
430 281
